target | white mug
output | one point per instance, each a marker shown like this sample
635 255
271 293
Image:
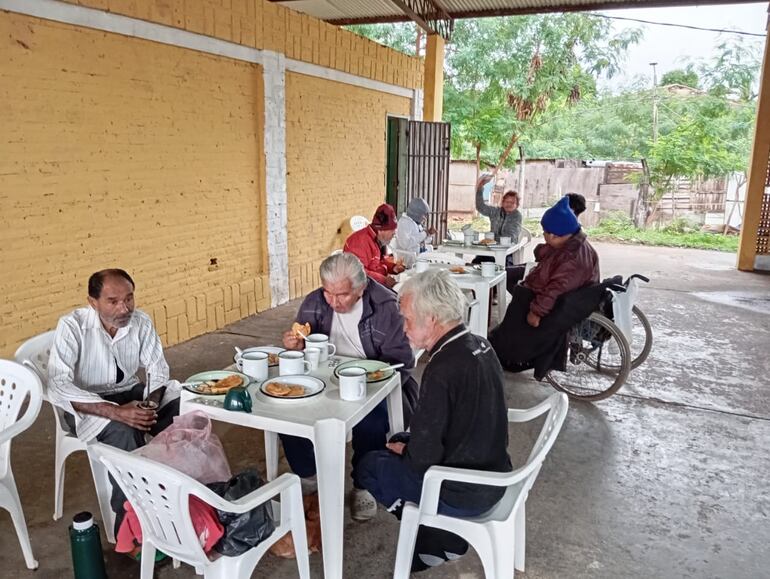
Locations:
313 355
321 341
352 383
489 235
291 362
505 241
421 266
488 269
254 365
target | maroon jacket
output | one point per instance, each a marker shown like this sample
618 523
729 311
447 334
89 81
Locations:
558 271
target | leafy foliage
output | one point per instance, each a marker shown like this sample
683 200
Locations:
685 77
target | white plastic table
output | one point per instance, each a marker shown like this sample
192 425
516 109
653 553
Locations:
498 252
473 280
326 420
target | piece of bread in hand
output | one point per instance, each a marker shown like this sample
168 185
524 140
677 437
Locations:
303 329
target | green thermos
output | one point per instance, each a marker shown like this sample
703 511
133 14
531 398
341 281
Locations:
87 558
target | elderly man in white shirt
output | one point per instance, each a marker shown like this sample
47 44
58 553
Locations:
96 353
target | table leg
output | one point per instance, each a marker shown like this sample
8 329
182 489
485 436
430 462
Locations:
271 454
479 319
502 298
329 445
395 410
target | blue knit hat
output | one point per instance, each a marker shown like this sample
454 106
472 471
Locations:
559 219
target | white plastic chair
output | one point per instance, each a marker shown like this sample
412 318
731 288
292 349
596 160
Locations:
160 496
358 222
335 252
499 534
34 354
17 383
525 238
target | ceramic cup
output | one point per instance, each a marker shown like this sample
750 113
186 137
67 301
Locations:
489 235
254 365
321 341
291 363
505 241
421 266
352 383
488 269
313 355
238 399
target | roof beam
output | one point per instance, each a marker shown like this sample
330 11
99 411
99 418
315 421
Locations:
566 7
429 15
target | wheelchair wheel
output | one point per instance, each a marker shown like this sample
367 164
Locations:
598 360
642 338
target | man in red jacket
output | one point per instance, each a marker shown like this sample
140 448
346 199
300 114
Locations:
369 245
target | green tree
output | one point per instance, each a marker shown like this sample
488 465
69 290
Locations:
401 36
685 77
503 74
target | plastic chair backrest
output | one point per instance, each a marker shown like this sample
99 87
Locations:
525 234
358 222
557 405
17 384
160 497
34 354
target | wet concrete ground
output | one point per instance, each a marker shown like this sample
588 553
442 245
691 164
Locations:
668 478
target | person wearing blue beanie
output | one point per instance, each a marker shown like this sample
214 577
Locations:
566 261
560 220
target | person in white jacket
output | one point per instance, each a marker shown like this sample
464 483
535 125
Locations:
411 237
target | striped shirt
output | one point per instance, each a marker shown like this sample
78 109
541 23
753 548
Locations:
84 363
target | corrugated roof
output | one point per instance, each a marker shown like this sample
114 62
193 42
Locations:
361 11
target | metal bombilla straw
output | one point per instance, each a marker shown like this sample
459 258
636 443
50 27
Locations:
147 390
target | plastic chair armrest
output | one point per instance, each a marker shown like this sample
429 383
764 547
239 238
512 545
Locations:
436 475
527 414
251 500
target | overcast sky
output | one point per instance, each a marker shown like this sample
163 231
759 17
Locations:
667 46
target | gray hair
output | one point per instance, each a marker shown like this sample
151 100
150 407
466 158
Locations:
435 294
343 266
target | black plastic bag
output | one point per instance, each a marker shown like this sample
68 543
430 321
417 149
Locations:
246 530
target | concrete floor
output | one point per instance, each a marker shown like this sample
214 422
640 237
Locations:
668 478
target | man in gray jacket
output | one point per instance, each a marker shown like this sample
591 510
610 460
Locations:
362 320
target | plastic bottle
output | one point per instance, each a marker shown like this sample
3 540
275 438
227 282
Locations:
87 558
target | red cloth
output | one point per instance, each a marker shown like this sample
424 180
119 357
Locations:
561 270
204 520
363 244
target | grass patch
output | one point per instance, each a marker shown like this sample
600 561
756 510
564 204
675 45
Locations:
680 233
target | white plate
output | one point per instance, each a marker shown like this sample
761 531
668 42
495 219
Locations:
368 365
213 375
265 349
313 387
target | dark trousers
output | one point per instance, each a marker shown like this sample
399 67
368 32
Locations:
125 437
368 435
392 483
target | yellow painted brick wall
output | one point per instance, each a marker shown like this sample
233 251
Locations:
121 152
335 163
264 24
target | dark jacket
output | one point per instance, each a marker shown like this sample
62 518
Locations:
501 223
381 330
461 418
558 271
520 347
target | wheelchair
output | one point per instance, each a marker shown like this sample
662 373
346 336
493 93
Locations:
603 348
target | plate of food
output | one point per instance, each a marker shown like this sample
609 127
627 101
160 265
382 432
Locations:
485 242
372 367
271 351
292 388
216 382
458 269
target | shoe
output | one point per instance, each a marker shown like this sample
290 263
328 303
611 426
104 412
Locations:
362 505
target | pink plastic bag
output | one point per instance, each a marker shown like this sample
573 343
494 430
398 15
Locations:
189 446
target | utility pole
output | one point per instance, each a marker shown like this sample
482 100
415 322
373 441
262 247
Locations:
654 102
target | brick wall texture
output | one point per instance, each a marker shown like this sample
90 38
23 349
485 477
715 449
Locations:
120 152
